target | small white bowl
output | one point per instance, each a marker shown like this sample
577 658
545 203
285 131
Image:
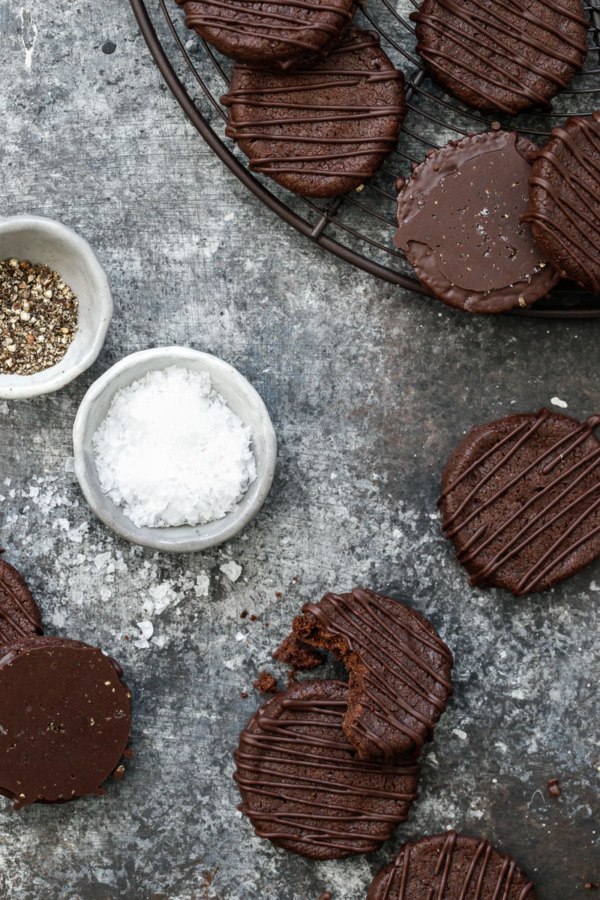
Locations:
52 244
241 397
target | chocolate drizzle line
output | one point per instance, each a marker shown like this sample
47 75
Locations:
280 27
361 609
10 620
581 237
288 742
545 462
478 43
316 113
444 867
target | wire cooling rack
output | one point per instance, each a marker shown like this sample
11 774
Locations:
360 226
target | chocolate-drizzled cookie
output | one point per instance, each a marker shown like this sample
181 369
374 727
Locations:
499 55
521 500
65 717
451 867
399 669
19 613
324 130
458 223
281 34
302 783
564 200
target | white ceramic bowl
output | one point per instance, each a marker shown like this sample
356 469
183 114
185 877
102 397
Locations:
45 241
242 398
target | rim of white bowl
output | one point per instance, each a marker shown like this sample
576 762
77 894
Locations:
55 380
155 538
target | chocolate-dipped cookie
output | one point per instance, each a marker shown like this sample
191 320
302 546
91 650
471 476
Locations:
303 785
521 500
325 130
19 613
399 669
458 223
502 56
65 717
281 34
451 867
564 200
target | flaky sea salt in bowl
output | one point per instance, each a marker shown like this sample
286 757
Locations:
114 481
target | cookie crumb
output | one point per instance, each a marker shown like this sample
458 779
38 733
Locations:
129 753
294 652
554 787
244 695
253 618
243 614
591 885
266 683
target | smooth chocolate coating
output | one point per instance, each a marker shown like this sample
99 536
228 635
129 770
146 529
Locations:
521 500
399 669
302 783
451 866
19 613
324 130
64 720
502 55
458 223
564 200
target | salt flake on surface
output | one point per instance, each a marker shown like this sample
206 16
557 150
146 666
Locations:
556 401
232 569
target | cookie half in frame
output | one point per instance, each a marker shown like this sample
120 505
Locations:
459 225
281 34
326 129
19 613
451 866
521 500
303 785
502 56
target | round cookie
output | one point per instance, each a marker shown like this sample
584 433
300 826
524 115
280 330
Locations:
281 35
451 867
65 717
521 500
302 784
19 613
323 131
564 200
399 669
499 56
458 223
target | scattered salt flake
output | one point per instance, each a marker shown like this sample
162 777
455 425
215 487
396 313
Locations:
202 585
240 636
232 664
229 217
556 401
102 559
238 814
159 641
69 465
4 408
232 569
460 733
594 586
146 631
162 596
7 482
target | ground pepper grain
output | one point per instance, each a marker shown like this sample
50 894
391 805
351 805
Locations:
38 317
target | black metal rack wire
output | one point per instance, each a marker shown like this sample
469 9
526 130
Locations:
359 227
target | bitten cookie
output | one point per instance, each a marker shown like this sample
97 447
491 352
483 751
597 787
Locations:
302 783
521 500
19 613
458 223
451 867
564 200
276 35
325 130
399 669
65 717
502 57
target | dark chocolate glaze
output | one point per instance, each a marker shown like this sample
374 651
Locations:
564 200
502 55
399 669
524 512
304 787
458 218
325 129
451 867
19 613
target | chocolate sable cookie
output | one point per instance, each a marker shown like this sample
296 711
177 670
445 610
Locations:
399 669
323 131
451 867
458 223
498 56
281 35
65 716
19 613
564 200
521 500
303 785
